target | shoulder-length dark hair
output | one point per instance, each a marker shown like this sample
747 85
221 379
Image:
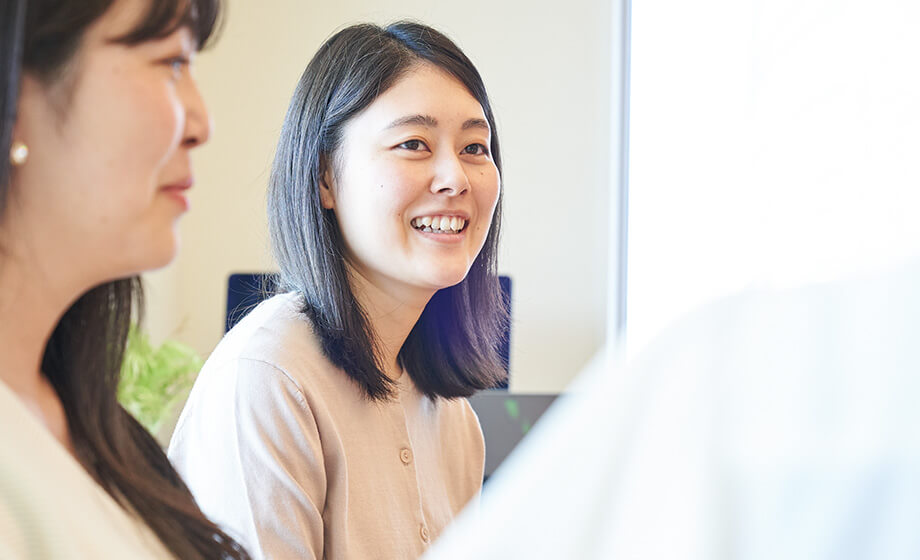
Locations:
452 350
83 356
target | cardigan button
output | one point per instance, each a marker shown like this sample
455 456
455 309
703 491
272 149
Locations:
423 532
405 456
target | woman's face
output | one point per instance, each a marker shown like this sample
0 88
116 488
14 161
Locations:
106 179
414 186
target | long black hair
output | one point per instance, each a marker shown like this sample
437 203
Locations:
452 350
83 356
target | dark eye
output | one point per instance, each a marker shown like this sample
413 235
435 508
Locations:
414 145
476 150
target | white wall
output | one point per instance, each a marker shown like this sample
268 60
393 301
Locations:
548 72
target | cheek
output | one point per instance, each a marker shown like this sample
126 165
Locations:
147 141
157 124
126 146
141 114
487 189
380 197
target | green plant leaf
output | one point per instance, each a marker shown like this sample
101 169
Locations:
155 380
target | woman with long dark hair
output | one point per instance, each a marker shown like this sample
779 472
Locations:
99 114
331 422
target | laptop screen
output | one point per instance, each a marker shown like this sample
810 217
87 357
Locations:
505 419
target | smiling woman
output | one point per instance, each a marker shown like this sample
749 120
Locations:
99 115
346 394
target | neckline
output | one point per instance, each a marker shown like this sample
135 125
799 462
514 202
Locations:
39 430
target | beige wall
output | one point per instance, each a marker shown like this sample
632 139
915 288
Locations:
548 72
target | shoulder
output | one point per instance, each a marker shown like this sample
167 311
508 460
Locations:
273 343
456 419
463 427
49 503
460 445
275 332
459 411
271 356
453 419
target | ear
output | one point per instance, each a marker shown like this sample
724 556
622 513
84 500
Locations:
32 111
31 104
326 195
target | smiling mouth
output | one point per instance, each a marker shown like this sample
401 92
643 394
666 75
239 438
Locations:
445 225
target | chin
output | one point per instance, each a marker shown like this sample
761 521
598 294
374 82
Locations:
448 280
160 254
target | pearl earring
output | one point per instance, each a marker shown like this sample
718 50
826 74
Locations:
19 153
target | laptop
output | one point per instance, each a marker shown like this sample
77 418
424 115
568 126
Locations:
505 419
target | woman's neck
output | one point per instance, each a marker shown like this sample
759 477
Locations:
31 304
392 314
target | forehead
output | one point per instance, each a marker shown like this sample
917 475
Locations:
425 90
122 18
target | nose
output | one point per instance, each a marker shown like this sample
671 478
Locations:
450 178
197 120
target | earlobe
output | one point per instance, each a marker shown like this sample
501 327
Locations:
19 153
19 150
31 107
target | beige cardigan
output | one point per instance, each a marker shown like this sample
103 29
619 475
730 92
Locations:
285 452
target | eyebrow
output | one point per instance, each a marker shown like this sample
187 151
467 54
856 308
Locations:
430 122
419 120
476 123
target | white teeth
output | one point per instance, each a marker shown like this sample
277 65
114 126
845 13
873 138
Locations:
451 224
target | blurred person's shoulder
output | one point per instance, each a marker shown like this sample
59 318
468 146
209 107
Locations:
49 505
